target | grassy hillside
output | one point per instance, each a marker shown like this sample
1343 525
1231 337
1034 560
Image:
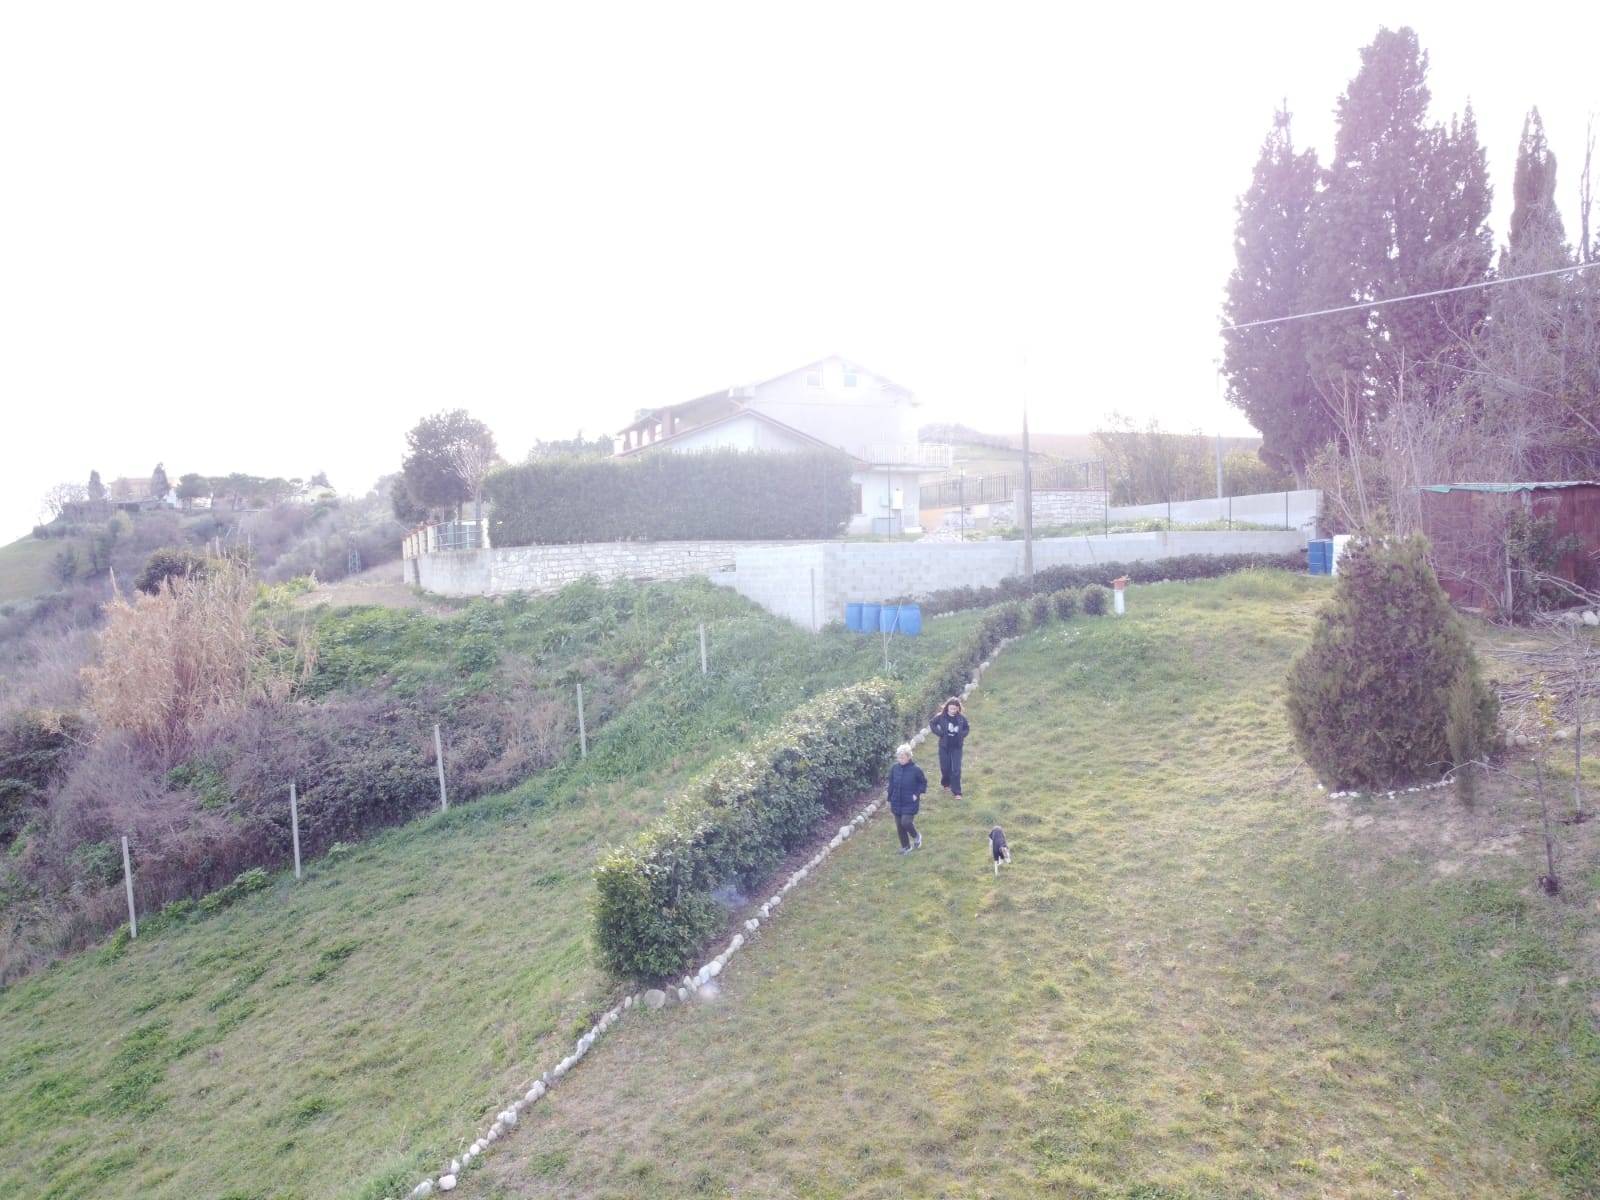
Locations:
25 568
335 1037
1201 978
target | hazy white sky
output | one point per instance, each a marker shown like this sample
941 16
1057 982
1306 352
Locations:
269 237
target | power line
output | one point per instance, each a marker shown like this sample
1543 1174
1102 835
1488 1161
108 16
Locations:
1465 287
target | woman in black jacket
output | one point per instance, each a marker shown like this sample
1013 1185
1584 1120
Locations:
950 727
907 784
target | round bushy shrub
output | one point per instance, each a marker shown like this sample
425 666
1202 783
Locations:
1371 699
170 562
1042 610
1096 600
1066 601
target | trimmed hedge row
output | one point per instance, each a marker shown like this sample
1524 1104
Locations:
655 900
1055 579
715 494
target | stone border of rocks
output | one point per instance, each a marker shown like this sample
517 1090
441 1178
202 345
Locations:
1360 795
699 986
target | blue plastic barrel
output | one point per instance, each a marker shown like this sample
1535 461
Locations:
1319 556
911 619
889 619
869 618
852 617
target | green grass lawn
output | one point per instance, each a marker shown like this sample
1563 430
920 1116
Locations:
25 568
340 1036
1200 978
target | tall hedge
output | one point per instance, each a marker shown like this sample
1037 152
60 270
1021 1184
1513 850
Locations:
723 494
1371 698
1058 578
655 900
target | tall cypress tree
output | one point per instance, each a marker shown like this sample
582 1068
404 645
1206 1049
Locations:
1404 210
1267 370
1537 239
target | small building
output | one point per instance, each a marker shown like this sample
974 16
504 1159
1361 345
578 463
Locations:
1467 525
831 403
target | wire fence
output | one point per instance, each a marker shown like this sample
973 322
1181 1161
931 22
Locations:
1088 476
440 753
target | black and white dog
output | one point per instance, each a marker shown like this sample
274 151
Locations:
998 848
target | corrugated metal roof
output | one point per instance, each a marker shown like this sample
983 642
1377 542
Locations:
1506 487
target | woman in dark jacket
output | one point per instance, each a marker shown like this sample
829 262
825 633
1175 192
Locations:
951 728
907 784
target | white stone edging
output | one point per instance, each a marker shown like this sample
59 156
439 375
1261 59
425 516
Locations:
701 985
1357 794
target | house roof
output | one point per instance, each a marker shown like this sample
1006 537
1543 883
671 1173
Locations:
1504 488
752 414
731 399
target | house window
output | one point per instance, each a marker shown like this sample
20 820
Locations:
849 377
860 506
813 378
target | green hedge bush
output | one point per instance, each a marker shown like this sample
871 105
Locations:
1066 604
654 902
1053 579
1042 609
1096 600
664 497
1371 699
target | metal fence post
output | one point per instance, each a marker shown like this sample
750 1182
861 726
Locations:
583 735
294 828
438 756
702 647
127 878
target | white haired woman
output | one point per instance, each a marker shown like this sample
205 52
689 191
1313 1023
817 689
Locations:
907 784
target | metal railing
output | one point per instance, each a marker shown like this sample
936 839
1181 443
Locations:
999 489
933 455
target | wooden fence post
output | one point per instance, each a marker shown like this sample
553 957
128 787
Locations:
127 878
294 827
583 736
438 756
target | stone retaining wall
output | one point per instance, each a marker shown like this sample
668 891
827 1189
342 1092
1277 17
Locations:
506 569
1052 506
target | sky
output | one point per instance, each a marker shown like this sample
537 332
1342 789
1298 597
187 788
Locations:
269 238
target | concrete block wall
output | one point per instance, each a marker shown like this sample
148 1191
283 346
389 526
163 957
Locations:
1263 508
506 569
784 578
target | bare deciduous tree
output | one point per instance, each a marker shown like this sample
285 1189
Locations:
471 460
58 498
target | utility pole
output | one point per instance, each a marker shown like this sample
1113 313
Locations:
1027 499
1219 467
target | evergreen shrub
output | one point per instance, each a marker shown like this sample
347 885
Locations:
1389 691
655 904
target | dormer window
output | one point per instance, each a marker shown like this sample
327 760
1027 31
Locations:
814 378
849 377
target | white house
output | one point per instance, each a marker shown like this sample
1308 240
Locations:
833 403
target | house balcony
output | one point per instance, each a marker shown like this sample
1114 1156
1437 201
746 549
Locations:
928 456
